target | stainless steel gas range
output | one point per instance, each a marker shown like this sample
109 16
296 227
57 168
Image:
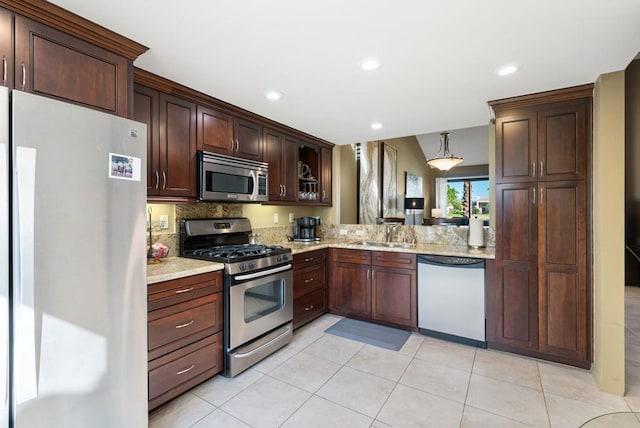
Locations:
258 288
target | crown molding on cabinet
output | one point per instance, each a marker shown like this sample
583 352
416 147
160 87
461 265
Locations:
572 93
70 23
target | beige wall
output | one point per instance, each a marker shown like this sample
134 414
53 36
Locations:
608 232
410 158
348 186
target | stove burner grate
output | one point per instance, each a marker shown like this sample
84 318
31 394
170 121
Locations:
237 251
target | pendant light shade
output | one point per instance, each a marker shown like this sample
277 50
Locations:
446 160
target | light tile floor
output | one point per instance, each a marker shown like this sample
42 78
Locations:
322 380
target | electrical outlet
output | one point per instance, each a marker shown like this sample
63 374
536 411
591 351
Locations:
359 232
290 217
276 219
164 221
343 232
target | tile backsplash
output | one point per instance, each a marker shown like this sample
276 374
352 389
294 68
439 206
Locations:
438 235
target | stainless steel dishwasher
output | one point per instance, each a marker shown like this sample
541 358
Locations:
451 302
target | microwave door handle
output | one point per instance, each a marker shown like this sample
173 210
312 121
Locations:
254 194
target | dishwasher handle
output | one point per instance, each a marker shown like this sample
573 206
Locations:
451 261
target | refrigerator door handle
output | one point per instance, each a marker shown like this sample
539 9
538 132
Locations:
26 385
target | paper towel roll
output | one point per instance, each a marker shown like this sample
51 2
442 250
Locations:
476 232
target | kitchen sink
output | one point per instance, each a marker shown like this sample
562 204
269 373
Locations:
383 244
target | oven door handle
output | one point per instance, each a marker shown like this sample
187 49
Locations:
262 273
253 351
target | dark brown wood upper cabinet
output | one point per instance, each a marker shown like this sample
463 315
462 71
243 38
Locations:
145 110
215 131
171 143
6 48
177 146
280 153
516 147
57 65
248 139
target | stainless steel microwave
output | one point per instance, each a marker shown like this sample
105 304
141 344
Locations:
228 179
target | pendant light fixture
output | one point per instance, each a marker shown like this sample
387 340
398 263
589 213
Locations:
446 161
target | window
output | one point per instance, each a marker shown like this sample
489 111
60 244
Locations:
465 197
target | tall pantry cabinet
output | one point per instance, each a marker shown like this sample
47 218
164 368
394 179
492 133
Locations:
541 298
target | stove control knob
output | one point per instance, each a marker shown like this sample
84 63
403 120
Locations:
243 266
252 265
279 258
285 257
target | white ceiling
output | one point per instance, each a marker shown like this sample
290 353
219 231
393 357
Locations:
438 57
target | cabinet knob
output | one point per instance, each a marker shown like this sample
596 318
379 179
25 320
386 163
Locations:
533 169
164 180
541 168
157 180
308 308
308 280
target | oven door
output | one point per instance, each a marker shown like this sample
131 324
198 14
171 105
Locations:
258 303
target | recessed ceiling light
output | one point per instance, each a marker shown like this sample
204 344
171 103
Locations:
376 125
273 95
505 70
370 64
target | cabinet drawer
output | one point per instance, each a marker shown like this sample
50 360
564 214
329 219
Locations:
169 293
301 261
351 256
172 372
175 326
390 259
308 279
309 307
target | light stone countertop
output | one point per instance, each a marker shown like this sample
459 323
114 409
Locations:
179 267
443 250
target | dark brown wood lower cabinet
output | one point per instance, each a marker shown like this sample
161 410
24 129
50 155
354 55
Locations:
309 286
184 334
374 285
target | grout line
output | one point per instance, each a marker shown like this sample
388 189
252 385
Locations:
466 395
544 395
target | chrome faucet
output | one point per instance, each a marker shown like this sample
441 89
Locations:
387 233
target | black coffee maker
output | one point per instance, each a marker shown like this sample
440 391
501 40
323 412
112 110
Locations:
306 229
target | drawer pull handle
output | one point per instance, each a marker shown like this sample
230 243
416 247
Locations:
186 324
179 372
308 308
306 281
186 290
310 259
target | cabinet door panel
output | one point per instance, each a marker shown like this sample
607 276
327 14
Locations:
289 170
248 136
562 297
272 155
562 143
177 146
61 66
145 110
517 299
516 224
516 146
215 131
6 48
393 296
351 290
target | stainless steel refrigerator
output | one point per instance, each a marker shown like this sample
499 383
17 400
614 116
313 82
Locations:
73 333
